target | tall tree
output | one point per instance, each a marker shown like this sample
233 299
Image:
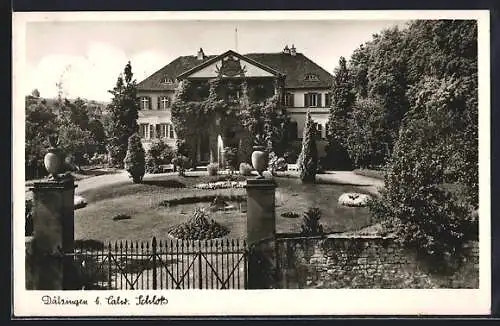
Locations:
342 100
308 158
123 114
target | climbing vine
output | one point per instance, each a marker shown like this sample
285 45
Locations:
193 113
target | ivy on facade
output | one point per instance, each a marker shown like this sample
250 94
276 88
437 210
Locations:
194 114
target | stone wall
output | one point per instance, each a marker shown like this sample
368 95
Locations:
365 262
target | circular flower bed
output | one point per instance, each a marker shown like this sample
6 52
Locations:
221 185
353 199
198 227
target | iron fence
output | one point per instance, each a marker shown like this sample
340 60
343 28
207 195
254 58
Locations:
170 264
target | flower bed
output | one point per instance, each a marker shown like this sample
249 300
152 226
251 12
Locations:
353 199
221 185
199 227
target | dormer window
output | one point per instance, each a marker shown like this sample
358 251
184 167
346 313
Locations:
166 80
311 77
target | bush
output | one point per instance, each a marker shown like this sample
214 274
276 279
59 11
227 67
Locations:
276 163
230 154
158 154
181 163
308 159
311 226
213 169
245 169
135 159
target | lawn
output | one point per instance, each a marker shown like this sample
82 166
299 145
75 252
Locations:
148 218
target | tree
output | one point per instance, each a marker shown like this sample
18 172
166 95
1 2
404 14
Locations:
416 203
134 161
123 114
342 100
308 158
40 123
367 142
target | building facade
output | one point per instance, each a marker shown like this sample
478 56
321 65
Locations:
304 86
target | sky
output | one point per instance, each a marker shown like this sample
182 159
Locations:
87 57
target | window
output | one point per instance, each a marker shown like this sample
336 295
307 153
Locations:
288 100
145 103
311 77
144 131
166 80
312 100
163 102
328 99
319 128
163 130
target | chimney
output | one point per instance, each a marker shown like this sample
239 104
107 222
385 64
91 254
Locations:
201 55
293 51
286 50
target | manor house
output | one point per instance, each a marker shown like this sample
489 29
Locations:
304 85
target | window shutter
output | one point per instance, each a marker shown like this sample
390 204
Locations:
291 100
149 103
319 100
306 100
158 131
158 103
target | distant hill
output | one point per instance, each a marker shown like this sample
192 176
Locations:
95 108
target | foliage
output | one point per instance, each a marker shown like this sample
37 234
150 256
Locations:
134 161
308 158
41 122
245 169
429 153
191 110
368 142
158 154
343 98
276 163
121 122
213 169
311 226
181 163
231 157
199 227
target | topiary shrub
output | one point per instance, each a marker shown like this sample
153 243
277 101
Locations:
213 169
308 158
199 227
245 169
135 159
158 154
311 226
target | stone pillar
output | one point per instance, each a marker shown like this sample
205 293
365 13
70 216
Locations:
261 231
261 219
53 232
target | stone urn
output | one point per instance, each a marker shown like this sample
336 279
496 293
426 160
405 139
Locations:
52 160
260 159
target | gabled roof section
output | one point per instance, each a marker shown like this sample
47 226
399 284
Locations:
227 53
295 67
170 71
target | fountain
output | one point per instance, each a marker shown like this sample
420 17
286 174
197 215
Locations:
220 151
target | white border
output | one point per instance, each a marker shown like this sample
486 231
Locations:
256 302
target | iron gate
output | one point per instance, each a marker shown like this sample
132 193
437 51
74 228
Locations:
171 264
